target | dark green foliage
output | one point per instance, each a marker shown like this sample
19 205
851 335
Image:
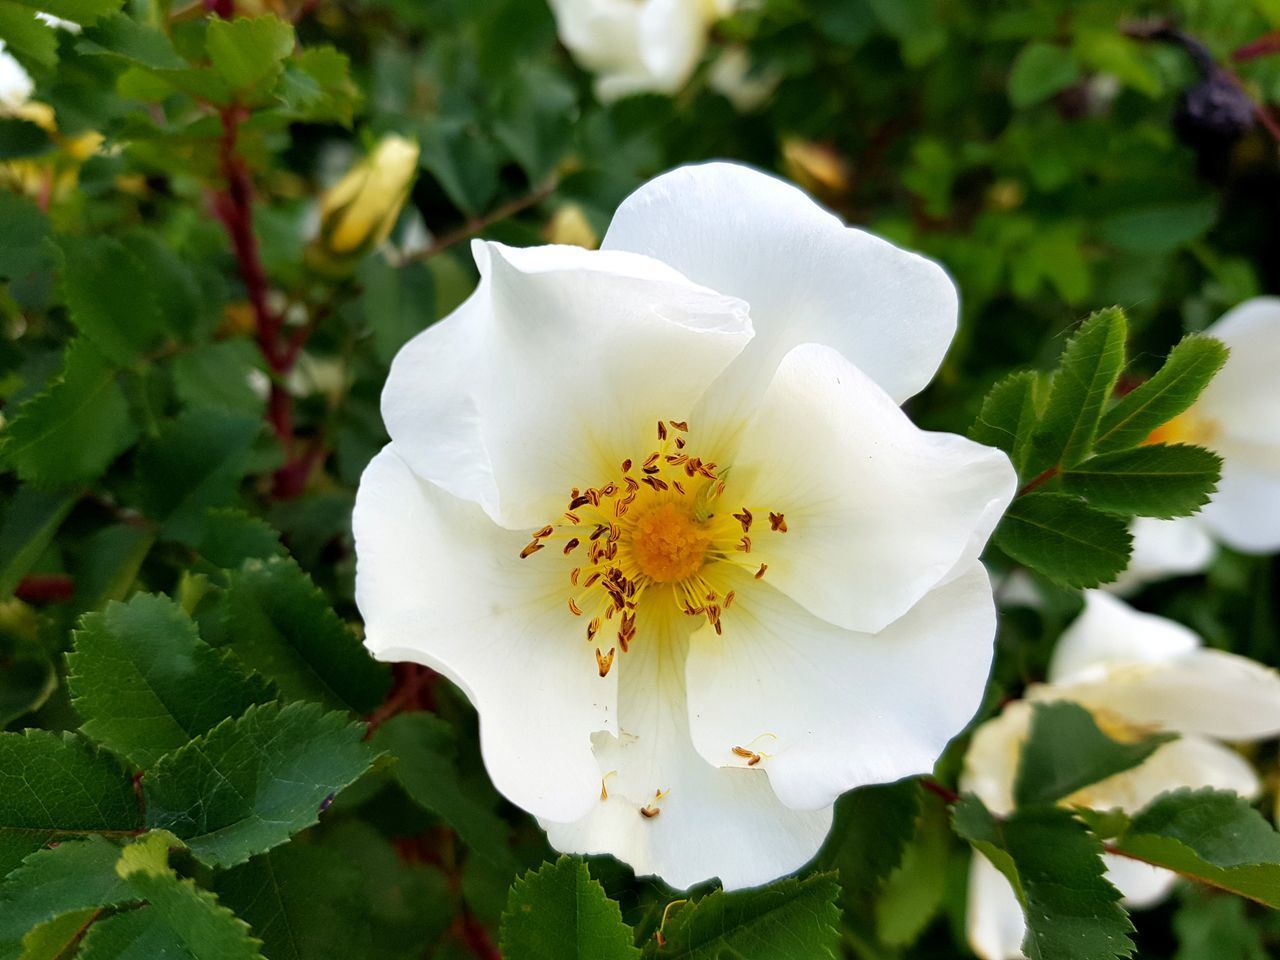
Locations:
560 913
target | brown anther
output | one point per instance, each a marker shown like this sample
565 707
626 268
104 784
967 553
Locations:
678 486
632 484
571 546
708 470
675 459
544 532
620 509
591 580
610 549
581 500
745 519
718 628
650 471
592 628
650 460
593 496
609 489
573 575
573 518
750 756
745 544
681 425
573 608
656 483
760 572
604 794
712 596
604 661
600 530
614 531
720 489
626 465
777 522
662 430
680 443
728 599
532 548
691 466
649 812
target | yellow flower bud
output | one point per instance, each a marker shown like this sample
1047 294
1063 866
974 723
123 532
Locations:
358 212
570 225
815 166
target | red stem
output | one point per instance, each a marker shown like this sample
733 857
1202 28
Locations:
42 588
1040 480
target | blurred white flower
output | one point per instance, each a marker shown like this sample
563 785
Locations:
637 46
1238 416
732 75
656 510
1136 673
15 83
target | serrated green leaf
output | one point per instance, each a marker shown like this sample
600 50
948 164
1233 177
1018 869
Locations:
32 518
1039 71
122 36
196 462
1009 415
146 684
871 829
559 913
232 536
220 376
110 298
1065 751
305 902
1156 480
913 893
783 921
74 429
1065 539
57 939
59 786
247 52
1208 835
426 767
283 626
317 86
73 876
1081 386
1176 385
23 238
250 783
1055 867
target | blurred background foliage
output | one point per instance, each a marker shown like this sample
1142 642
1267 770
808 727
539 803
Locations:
1057 156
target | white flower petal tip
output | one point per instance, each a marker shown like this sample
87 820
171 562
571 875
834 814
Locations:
808 277
688 625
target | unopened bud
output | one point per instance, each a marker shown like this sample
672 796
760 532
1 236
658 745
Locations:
358 212
815 166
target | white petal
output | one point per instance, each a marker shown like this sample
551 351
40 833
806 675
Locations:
828 709
1245 511
1110 632
556 368
1164 548
879 512
712 822
991 762
16 84
1208 692
807 277
438 583
993 917
1141 884
1242 399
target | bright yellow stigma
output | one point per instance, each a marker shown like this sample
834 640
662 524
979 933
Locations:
668 544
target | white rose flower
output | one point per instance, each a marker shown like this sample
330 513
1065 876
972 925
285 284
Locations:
1238 416
15 83
656 510
1137 673
637 46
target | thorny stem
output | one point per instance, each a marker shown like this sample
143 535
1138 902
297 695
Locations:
476 224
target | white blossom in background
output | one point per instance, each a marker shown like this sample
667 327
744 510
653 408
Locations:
637 46
1238 416
733 76
16 85
656 510
1137 674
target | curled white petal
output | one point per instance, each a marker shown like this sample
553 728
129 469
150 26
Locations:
1110 633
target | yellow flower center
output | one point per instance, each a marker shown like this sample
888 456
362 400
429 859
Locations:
663 527
1188 427
668 543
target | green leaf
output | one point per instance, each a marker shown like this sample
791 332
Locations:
1156 480
282 625
74 429
247 53
108 566
1055 867
27 676
232 536
20 139
914 893
78 11
1040 71
1175 386
1065 751
1065 539
22 241
220 376
145 682
1009 414
783 921
250 783
397 302
59 938
57 786
122 36
110 298
196 462
425 749
1212 927
26 38
871 830
68 878
1212 836
1159 228
1081 386
317 86
32 518
559 913
306 902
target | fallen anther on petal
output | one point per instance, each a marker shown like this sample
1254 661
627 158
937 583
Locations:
750 756
604 660
649 812
533 547
777 522
760 572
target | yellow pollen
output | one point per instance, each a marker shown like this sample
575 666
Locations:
668 544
